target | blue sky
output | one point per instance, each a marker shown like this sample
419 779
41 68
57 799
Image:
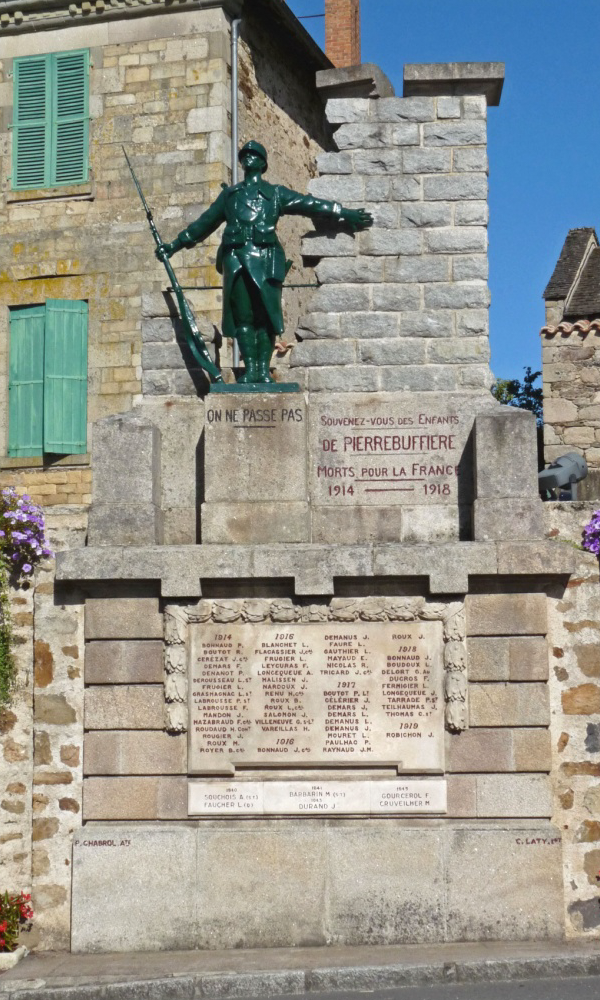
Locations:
543 139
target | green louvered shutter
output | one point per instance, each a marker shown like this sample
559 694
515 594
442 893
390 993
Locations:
26 381
65 377
31 123
69 157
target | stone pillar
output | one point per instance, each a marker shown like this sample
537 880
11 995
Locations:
404 305
507 503
255 466
125 506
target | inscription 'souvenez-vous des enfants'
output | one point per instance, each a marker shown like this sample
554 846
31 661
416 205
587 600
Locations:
309 695
382 453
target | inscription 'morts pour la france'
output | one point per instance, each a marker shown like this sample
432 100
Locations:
310 695
380 452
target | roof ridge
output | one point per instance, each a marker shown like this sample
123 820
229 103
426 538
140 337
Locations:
569 265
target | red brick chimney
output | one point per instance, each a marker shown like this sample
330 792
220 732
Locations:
342 32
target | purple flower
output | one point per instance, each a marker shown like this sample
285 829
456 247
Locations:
27 567
591 534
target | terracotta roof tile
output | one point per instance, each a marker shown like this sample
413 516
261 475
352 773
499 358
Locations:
581 326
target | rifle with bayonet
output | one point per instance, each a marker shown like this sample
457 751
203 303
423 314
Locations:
192 334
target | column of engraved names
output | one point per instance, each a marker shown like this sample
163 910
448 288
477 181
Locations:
284 673
220 696
344 669
409 698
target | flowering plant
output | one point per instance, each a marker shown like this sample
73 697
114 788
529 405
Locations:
591 534
22 545
22 533
15 912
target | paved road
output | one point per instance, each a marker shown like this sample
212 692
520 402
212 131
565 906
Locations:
534 989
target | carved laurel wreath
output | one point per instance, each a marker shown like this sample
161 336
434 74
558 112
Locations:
179 616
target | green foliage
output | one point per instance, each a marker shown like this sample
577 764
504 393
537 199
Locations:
7 660
15 912
525 395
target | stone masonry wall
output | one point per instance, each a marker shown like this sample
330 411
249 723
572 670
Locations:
65 483
574 641
16 739
58 734
42 742
403 305
571 383
159 85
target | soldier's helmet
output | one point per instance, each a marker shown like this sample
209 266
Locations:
254 147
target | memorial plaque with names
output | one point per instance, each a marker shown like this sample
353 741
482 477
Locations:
313 695
314 798
378 450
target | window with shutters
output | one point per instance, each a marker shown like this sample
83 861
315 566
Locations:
47 382
50 120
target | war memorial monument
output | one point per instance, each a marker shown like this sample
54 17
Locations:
350 743
305 669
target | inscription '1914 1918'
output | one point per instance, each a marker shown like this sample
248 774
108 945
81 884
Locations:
316 694
383 453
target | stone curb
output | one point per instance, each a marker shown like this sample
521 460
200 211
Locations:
295 982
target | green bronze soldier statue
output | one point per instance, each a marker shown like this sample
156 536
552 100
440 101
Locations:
251 258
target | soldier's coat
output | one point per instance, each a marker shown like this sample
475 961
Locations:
251 212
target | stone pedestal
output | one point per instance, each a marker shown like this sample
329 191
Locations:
255 473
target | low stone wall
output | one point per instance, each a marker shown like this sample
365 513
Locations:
574 633
42 741
16 730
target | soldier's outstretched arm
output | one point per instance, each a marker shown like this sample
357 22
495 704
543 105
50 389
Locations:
294 203
199 230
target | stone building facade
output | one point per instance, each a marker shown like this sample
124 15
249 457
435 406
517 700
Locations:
159 83
571 355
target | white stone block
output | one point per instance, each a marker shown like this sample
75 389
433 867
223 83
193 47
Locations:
205 120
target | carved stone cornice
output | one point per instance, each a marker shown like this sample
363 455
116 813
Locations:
19 16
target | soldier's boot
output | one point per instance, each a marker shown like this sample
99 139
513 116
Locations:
246 338
264 352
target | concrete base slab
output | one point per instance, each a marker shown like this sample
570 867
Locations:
255 884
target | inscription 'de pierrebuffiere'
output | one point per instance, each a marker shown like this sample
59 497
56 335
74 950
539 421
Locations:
312 695
379 454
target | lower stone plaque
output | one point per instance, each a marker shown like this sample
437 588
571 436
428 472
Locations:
311 798
308 695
